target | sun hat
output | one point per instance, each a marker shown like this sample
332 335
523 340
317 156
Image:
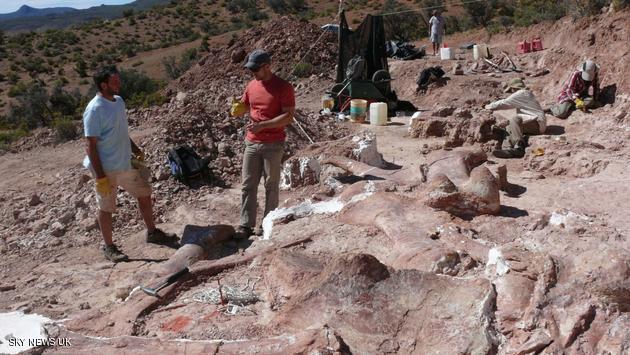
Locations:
514 84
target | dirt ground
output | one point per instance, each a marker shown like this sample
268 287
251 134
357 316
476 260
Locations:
317 283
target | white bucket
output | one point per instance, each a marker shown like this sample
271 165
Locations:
480 51
378 114
446 53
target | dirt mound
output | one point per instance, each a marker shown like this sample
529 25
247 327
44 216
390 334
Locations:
287 39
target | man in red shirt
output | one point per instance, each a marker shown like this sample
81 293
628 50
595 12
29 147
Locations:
270 101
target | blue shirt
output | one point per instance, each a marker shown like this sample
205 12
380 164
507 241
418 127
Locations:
107 121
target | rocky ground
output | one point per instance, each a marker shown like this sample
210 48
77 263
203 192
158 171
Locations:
361 268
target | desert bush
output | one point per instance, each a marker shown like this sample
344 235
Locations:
65 128
302 70
481 12
32 107
579 8
63 102
174 68
137 89
80 67
528 12
11 135
404 26
128 13
235 6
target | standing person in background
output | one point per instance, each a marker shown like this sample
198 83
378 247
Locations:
109 152
270 101
438 28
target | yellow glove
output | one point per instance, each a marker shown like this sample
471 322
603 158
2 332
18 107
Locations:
238 108
579 104
140 156
102 186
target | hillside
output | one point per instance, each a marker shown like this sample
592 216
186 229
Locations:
407 238
30 19
26 11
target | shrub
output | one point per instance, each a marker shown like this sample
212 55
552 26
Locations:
138 89
404 26
80 67
11 135
174 69
65 128
534 11
32 107
302 70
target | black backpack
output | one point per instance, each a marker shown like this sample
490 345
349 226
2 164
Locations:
186 164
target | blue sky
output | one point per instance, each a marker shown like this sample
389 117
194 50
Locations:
12 5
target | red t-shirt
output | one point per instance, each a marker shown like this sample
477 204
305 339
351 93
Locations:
266 100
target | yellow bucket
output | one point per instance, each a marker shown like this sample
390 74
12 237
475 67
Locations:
358 109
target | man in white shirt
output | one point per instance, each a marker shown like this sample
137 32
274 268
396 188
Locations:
438 28
109 152
529 119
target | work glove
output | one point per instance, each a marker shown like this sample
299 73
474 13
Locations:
579 104
140 156
102 186
238 108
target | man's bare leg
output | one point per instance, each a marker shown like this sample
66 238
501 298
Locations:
146 209
105 224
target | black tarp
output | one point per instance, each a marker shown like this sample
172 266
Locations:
368 41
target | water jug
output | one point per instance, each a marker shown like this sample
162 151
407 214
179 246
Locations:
446 54
378 114
480 51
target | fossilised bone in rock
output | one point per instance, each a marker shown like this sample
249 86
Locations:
196 241
306 168
366 151
311 341
377 310
300 172
473 190
478 195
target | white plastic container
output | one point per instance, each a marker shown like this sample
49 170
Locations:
446 53
480 51
378 114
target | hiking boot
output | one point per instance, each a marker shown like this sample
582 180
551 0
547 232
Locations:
509 153
243 232
113 254
158 236
499 133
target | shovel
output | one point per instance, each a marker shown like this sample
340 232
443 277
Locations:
169 281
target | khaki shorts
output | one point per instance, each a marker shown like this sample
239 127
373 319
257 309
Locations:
130 180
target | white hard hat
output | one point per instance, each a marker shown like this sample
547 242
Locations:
589 69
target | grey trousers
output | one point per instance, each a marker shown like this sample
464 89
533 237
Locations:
516 128
260 160
564 109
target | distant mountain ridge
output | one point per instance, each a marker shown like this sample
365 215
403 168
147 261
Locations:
27 11
31 19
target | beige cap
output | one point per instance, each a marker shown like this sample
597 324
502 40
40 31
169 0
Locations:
514 84
589 69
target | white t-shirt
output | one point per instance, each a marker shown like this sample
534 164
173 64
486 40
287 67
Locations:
107 121
437 25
